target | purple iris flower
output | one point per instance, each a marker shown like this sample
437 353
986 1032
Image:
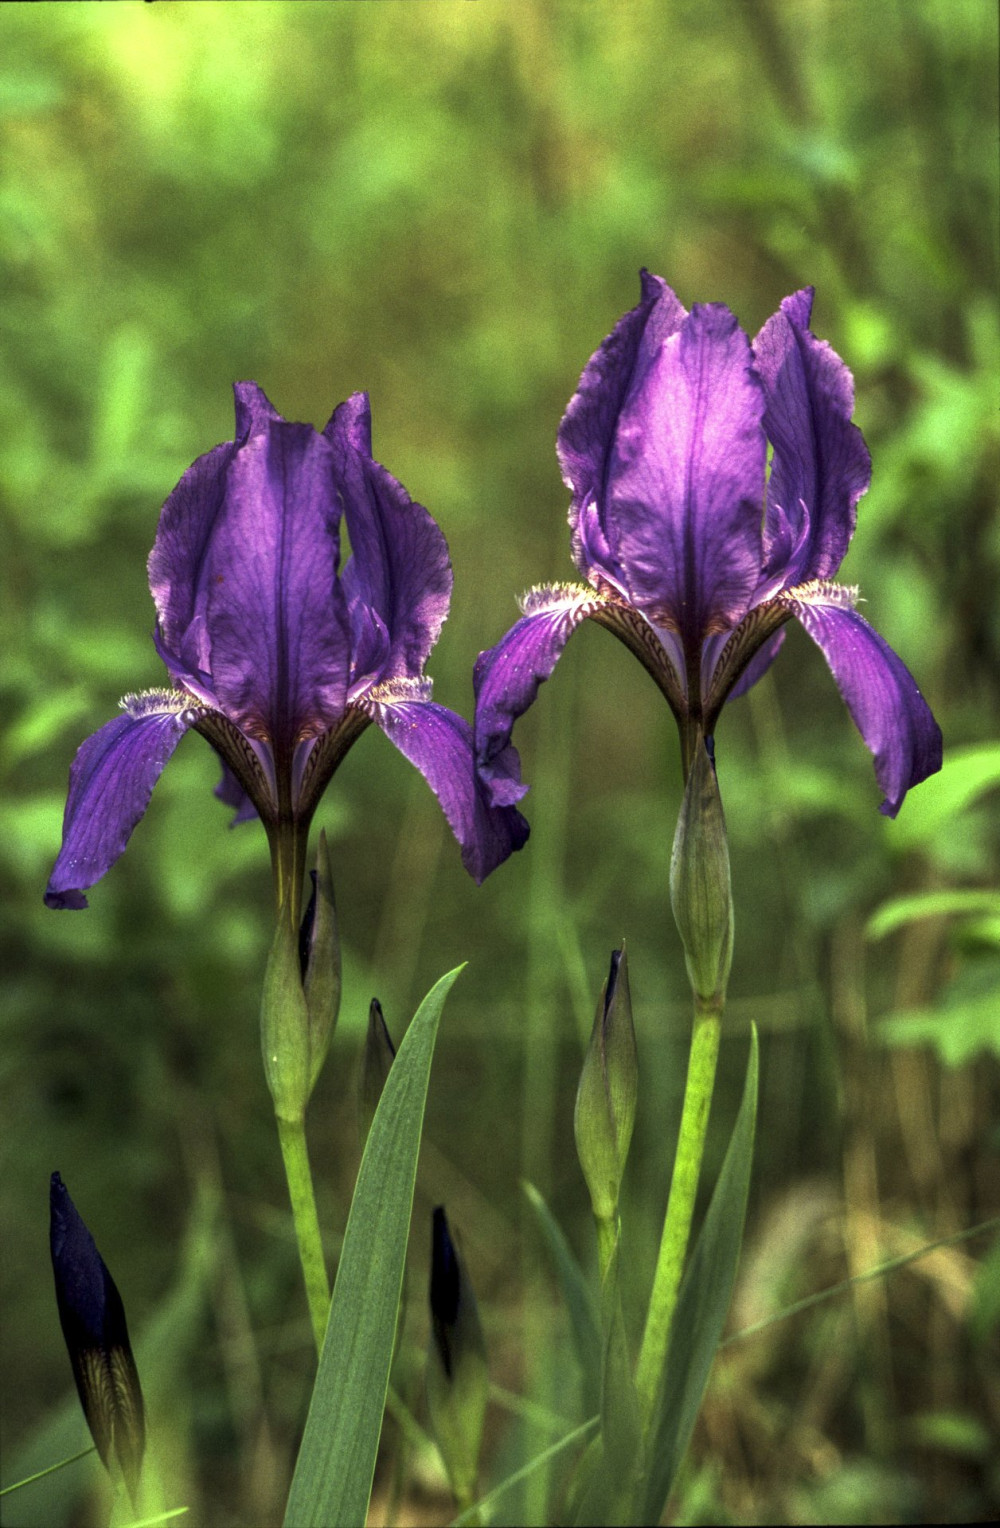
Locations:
694 553
276 655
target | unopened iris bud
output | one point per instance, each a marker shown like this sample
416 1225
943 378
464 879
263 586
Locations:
376 1059
319 960
93 1323
605 1099
457 1375
700 890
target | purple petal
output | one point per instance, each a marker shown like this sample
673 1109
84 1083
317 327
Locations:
821 465
758 665
507 677
231 793
687 479
587 432
110 783
398 579
180 566
439 743
879 690
279 636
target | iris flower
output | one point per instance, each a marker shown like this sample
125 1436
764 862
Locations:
695 554
278 656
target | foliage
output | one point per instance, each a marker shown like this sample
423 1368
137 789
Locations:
448 205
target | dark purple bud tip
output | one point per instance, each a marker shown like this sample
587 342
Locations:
93 1321
376 1061
306 928
446 1287
457 1373
612 982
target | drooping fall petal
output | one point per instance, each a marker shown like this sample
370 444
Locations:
507 677
439 743
878 689
110 783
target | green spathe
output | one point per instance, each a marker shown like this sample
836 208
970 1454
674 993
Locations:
700 890
605 1101
284 1025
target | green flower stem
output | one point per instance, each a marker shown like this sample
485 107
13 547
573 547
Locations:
680 1205
292 1135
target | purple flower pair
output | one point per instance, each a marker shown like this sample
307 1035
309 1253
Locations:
695 556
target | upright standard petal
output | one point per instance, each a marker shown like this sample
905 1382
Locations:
820 467
180 565
276 615
398 579
587 432
110 783
687 479
507 677
878 689
439 743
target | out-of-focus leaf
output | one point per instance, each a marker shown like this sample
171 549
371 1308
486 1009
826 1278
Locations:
984 1317
965 775
899 911
952 1432
957 1032
577 1297
333 1475
703 1304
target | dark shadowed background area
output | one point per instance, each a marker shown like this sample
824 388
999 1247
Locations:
448 204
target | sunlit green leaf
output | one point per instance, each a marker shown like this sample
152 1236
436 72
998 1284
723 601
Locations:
899 911
333 1475
957 1032
965 775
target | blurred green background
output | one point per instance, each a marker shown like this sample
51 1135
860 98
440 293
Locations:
447 203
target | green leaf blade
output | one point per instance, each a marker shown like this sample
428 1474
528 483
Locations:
336 1463
577 1298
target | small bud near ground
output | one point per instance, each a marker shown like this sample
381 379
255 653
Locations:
457 1376
93 1322
606 1096
700 889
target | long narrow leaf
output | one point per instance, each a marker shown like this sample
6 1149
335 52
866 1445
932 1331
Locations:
577 1297
482 1510
703 1303
336 1463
